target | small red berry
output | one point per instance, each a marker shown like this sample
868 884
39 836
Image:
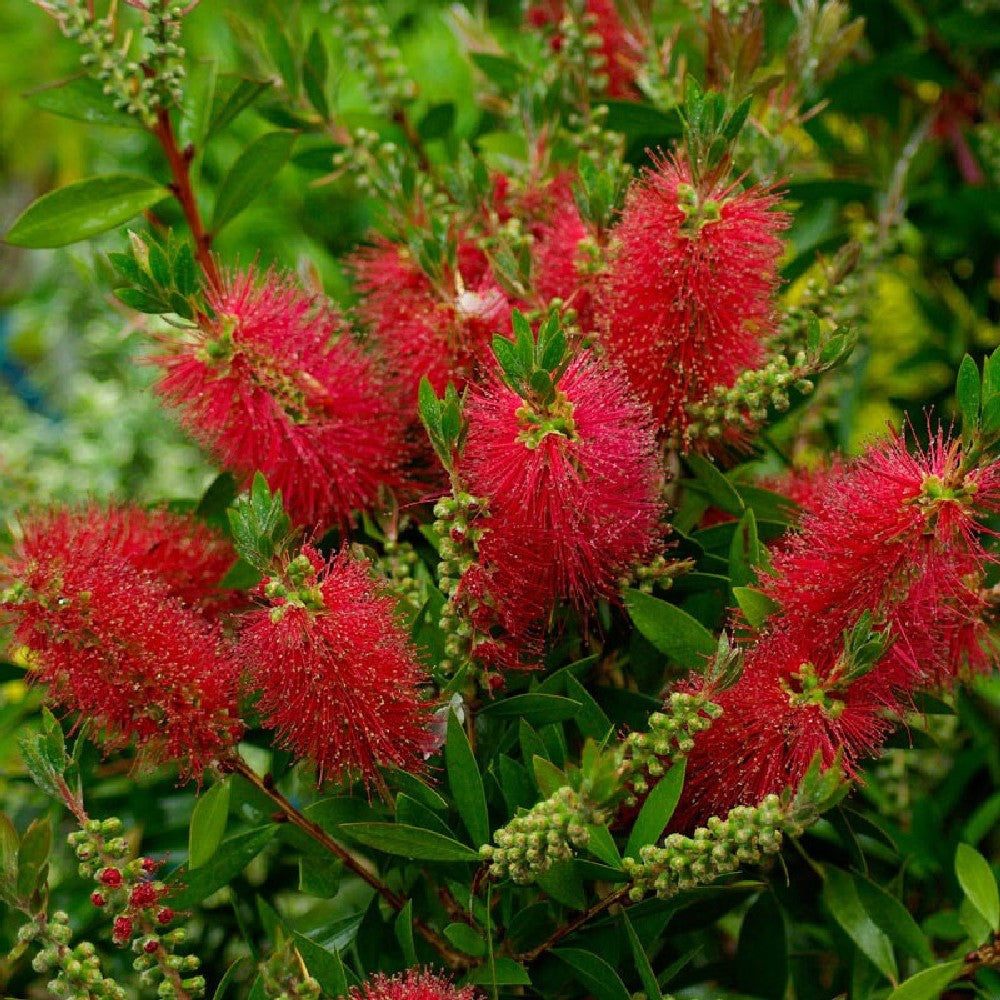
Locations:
112 878
150 946
121 930
165 915
97 899
143 895
148 865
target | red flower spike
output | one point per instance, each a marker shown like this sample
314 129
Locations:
687 300
116 644
621 51
895 533
413 984
786 708
274 383
570 508
424 329
566 262
337 677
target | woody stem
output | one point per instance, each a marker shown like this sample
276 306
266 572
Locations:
452 958
180 169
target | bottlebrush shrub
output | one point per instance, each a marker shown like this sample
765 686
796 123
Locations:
481 669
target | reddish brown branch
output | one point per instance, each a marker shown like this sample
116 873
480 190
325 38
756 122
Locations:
180 170
454 959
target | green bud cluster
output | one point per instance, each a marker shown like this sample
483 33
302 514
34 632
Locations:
751 396
550 831
370 51
98 845
76 970
658 572
671 735
400 563
139 87
455 526
745 836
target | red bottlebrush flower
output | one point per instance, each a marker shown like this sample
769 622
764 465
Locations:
687 300
893 531
337 677
573 499
115 643
621 51
567 263
144 895
413 984
804 487
424 329
787 707
273 383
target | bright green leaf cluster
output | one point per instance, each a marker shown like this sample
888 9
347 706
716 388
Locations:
159 278
259 524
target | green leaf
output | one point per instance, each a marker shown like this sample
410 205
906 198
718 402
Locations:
464 938
324 965
437 122
657 810
315 70
208 824
33 856
84 209
44 755
755 606
646 975
590 719
232 95
967 392
188 888
410 842
81 98
465 782
601 844
929 983
548 777
762 951
251 174
140 301
538 709
504 72
9 844
403 928
564 884
227 979
841 896
716 486
594 973
979 884
745 551
672 631
502 972
894 918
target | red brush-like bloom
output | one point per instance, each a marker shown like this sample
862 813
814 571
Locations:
414 984
621 51
572 493
274 384
805 487
187 556
337 677
787 707
890 524
115 642
567 262
421 328
687 300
